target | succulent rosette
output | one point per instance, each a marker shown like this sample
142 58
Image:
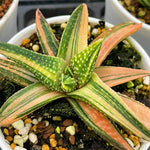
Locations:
72 70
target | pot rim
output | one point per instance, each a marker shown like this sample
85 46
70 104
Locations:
17 39
128 14
8 14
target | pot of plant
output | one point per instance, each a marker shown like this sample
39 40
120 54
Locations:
61 83
8 19
116 13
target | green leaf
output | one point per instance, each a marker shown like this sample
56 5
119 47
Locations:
47 38
104 99
113 76
100 124
14 72
113 36
145 3
47 69
83 63
26 101
74 38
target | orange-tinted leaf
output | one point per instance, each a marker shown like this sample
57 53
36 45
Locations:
113 36
113 76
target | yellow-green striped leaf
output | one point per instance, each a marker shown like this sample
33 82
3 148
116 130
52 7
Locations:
26 101
47 38
47 69
104 99
74 38
14 72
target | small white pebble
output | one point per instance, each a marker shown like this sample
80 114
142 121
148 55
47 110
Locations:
24 130
18 140
94 31
146 80
28 125
63 25
89 28
46 122
71 130
19 148
130 142
35 121
18 124
35 47
40 119
137 147
25 137
33 138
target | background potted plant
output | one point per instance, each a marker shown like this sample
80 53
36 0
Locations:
30 30
115 13
8 23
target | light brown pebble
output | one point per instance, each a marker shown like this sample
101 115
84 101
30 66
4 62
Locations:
35 47
45 147
135 139
25 41
6 131
9 138
13 145
28 120
72 139
67 122
53 142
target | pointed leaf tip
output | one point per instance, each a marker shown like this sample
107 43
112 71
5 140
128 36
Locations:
74 38
47 38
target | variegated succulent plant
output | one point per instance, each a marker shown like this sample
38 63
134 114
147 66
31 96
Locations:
71 69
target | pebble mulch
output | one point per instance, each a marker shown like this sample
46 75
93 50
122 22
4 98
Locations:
137 10
4 6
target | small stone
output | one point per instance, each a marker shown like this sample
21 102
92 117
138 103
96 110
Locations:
72 139
94 31
130 142
25 137
63 25
24 130
35 121
33 138
146 80
19 148
35 47
67 122
70 130
18 124
18 140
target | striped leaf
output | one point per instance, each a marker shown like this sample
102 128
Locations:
113 36
14 72
104 99
47 38
113 76
47 69
145 3
26 101
74 38
100 124
140 110
83 63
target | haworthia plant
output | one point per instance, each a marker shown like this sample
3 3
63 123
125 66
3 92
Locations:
71 75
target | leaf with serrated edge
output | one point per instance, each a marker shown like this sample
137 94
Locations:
26 101
47 38
74 38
